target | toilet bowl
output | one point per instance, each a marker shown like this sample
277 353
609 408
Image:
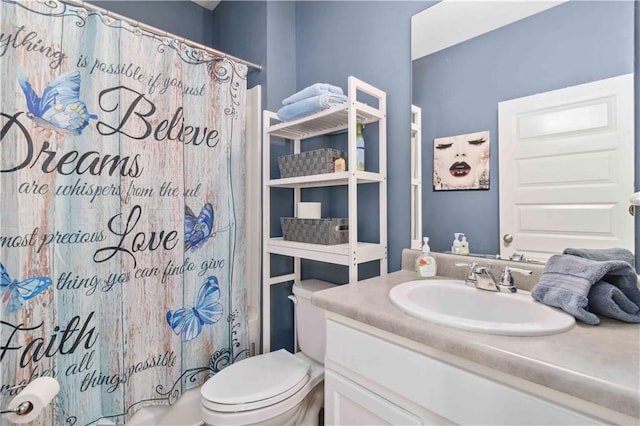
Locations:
276 388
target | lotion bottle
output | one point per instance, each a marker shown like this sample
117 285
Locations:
425 263
464 246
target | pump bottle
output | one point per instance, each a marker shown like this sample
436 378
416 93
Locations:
425 263
455 246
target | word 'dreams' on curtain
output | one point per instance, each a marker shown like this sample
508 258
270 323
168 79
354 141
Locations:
122 170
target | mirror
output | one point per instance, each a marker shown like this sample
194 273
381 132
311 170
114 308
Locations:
467 59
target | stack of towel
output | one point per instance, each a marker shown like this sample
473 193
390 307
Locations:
309 100
586 282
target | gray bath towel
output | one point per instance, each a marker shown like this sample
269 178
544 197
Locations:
566 281
607 300
628 285
603 254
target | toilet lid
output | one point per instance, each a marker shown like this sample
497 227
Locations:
259 378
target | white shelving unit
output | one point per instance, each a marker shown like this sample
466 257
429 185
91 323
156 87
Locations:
331 120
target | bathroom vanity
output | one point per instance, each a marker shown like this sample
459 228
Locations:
384 366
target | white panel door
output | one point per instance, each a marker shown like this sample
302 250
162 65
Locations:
566 169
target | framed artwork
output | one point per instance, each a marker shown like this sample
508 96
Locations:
461 162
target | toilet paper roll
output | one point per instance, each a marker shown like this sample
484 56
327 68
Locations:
39 393
309 210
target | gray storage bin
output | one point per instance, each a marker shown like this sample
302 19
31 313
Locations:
316 231
308 163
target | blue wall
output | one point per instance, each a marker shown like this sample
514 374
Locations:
249 45
263 33
459 89
185 19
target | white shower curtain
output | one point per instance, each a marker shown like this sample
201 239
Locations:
122 194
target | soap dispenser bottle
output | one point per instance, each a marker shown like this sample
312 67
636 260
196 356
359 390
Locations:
455 246
425 263
464 246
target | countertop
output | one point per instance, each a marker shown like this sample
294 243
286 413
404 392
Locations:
599 364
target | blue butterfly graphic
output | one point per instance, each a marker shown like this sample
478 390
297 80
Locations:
15 293
197 230
188 322
60 107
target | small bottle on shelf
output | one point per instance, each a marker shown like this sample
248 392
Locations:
455 246
464 246
360 147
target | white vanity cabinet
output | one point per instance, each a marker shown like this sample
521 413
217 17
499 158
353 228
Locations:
374 377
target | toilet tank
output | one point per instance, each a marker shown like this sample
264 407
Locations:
310 323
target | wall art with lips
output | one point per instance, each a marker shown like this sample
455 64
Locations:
461 162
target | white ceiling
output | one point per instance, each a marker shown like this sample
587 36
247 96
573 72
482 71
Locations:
453 21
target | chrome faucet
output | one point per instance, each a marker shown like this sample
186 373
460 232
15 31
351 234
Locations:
482 278
518 257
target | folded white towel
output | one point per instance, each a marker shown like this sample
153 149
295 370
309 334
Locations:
311 91
309 106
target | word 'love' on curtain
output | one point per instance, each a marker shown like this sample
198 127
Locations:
122 192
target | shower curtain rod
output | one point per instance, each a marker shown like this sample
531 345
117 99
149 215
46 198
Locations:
159 32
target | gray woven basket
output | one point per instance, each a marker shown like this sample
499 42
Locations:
316 231
309 162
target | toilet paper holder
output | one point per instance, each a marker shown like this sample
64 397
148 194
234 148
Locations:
28 403
22 409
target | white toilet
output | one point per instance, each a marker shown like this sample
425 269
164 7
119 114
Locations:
276 388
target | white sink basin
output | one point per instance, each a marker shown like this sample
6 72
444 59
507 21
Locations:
455 304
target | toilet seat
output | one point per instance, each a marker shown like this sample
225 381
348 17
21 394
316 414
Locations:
256 382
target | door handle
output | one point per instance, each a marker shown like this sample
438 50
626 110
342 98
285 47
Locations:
507 238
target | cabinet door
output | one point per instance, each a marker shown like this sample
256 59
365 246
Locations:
448 394
347 403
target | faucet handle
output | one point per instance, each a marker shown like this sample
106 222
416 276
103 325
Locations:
506 279
471 274
472 266
468 265
508 269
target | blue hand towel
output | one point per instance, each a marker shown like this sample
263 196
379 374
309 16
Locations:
607 300
311 91
566 281
627 284
603 254
309 106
